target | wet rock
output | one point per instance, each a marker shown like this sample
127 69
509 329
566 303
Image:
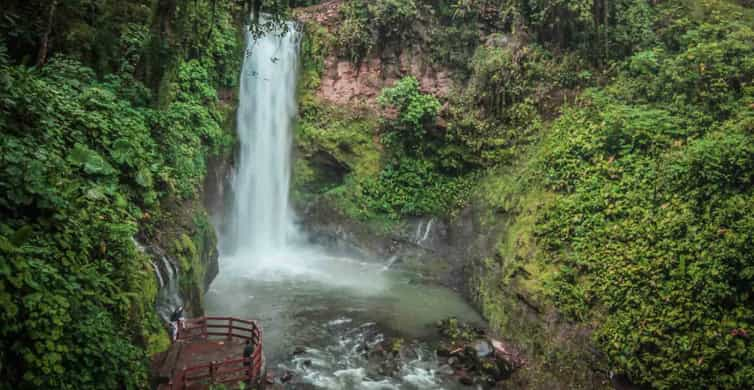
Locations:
470 358
307 363
475 357
445 369
373 369
483 348
465 379
299 351
507 353
378 352
504 369
408 353
391 367
363 347
286 377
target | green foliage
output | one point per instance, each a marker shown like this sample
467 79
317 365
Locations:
416 113
652 231
411 182
407 182
457 332
600 30
87 161
413 187
500 111
373 25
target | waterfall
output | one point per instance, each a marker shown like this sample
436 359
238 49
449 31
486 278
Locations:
262 218
168 267
159 275
422 231
417 235
426 232
140 247
169 295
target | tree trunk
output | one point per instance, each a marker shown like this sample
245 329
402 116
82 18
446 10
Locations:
44 43
256 9
607 37
212 20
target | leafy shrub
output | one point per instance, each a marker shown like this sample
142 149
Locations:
652 230
370 25
416 112
354 38
86 159
412 187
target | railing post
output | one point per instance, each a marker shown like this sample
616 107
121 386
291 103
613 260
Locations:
212 371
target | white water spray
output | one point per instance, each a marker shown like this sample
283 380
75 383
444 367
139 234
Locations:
262 218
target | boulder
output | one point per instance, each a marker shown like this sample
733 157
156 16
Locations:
483 348
445 369
465 379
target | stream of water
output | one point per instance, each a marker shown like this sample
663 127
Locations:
331 307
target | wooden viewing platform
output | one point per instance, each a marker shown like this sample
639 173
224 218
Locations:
209 350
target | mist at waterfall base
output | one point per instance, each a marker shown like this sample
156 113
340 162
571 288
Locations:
306 296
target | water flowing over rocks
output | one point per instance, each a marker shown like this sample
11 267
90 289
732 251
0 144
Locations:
336 313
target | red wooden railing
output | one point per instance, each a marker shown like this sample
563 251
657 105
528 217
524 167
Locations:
226 371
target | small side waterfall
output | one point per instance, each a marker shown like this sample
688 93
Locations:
426 231
422 231
168 294
158 274
160 280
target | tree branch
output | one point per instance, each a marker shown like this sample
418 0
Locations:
44 43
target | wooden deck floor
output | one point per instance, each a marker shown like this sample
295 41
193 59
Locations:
183 354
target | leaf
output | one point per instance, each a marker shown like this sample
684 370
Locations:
144 178
121 151
21 235
92 162
95 193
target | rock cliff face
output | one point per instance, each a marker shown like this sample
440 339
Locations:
459 251
346 83
429 246
185 249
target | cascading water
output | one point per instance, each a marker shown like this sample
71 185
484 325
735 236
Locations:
261 215
302 293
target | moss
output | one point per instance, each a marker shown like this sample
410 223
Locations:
336 148
335 145
556 352
510 284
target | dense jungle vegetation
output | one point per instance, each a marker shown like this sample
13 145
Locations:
612 140
108 110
